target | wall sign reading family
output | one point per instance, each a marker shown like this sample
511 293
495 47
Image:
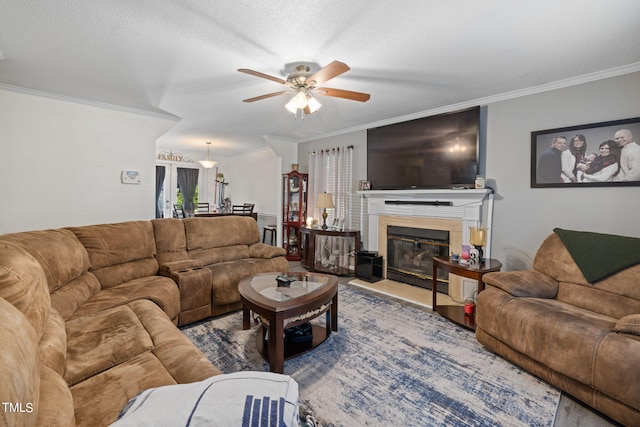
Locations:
594 155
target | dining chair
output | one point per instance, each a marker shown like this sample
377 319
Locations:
246 208
178 211
203 207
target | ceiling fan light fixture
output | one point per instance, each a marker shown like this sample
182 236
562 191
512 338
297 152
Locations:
291 106
300 99
313 104
208 164
302 83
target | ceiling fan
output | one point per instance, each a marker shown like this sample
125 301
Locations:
303 84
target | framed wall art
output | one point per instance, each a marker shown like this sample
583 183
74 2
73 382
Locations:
593 155
364 185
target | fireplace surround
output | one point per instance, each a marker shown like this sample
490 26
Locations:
409 254
453 211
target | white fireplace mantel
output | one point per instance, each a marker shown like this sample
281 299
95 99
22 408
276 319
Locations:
473 207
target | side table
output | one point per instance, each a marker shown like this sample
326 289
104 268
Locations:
456 313
341 245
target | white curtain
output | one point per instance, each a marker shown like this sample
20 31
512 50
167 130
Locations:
330 171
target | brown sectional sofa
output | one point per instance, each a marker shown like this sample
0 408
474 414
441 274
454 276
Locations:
582 337
88 314
229 246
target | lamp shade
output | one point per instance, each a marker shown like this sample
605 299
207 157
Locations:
325 201
208 164
313 104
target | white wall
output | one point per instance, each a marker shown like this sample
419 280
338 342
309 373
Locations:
523 216
62 162
254 178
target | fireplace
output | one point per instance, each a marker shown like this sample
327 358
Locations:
453 211
409 254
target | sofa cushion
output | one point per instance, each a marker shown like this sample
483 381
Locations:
172 359
212 256
55 407
61 255
241 398
227 275
260 250
616 369
171 242
68 298
184 362
114 387
523 283
53 344
232 230
24 285
19 367
119 252
553 259
558 335
161 290
629 325
606 297
103 340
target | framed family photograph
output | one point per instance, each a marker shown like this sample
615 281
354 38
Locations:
364 185
593 155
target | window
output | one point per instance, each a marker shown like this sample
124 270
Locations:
330 171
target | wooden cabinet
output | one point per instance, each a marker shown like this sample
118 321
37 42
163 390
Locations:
294 212
330 251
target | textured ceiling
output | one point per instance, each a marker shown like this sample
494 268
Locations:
180 57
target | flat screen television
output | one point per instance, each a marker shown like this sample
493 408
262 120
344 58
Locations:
434 152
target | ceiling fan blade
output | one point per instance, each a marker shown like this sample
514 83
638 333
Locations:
264 76
327 73
269 95
346 94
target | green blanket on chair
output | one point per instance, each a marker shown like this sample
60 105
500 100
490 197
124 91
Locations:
600 255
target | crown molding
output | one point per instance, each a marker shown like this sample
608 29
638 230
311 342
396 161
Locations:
560 84
56 96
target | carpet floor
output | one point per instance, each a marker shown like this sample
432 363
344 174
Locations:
392 364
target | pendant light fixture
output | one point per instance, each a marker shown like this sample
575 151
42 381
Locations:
208 164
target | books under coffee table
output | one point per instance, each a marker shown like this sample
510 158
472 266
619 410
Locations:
289 304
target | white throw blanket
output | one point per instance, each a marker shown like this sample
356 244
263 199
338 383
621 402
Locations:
238 399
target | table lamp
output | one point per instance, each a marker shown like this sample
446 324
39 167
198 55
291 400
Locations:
324 202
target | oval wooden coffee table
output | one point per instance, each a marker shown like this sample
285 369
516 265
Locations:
308 296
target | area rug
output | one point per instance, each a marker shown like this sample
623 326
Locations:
392 364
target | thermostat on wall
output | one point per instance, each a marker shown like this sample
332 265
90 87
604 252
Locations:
130 177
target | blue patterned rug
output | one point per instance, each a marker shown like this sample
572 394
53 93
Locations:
392 364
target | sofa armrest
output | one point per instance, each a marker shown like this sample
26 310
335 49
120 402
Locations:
528 283
194 285
171 267
261 250
629 325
